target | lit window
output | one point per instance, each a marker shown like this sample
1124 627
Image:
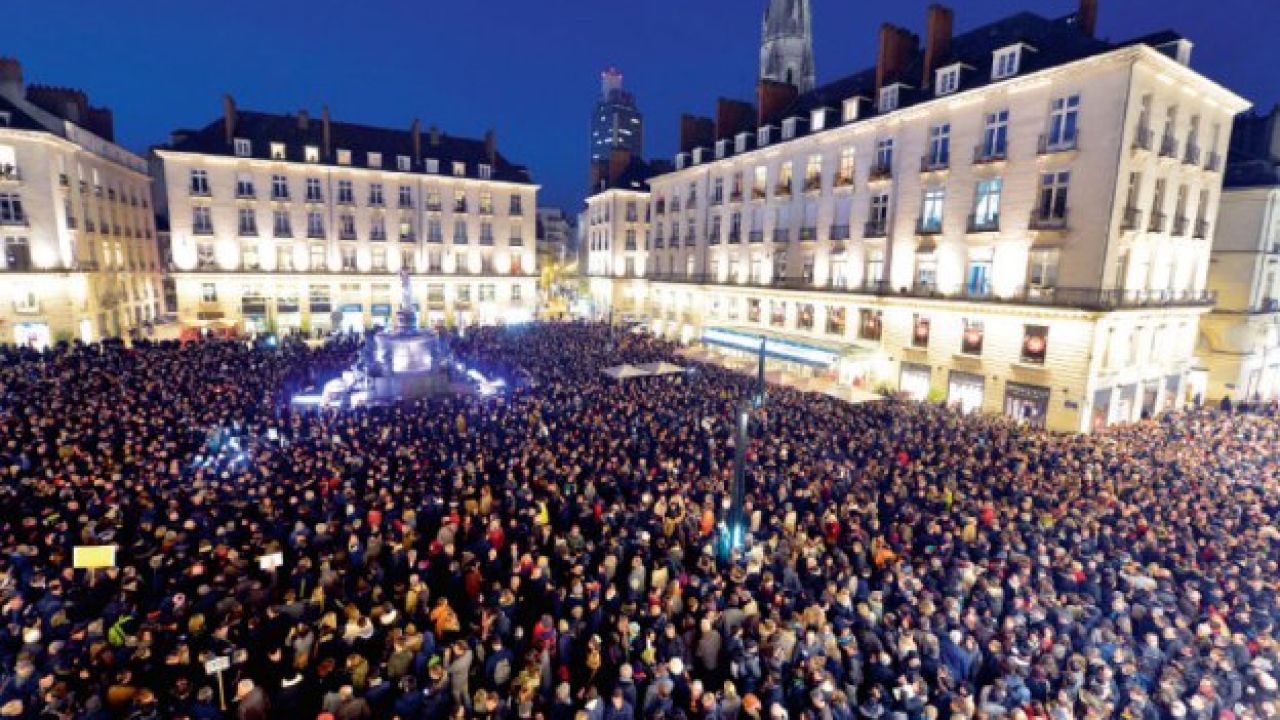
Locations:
312 154
818 119
277 151
459 169
375 160
851 108
344 157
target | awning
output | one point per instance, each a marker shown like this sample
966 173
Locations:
381 309
805 351
660 368
624 372
352 308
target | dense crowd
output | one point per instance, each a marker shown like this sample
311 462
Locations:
558 553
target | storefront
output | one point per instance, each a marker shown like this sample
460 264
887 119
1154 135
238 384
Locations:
1101 409
1028 404
1126 399
34 335
1150 396
381 315
352 318
914 381
966 392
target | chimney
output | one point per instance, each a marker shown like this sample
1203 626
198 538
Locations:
937 40
415 133
433 136
696 132
897 45
228 117
304 121
1087 17
733 117
491 147
326 136
774 99
11 77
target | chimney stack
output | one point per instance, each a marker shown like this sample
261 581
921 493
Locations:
733 117
304 121
774 98
937 40
228 117
433 136
11 77
491 146
897 45
1087 17
326 135
696 132
415 132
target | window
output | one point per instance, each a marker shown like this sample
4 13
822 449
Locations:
884 156
920 331
11 212
460 232
279 187
1064 118
818 119
486 171
347 226
406 231
486 202
486 233
403 164
432 165
986 209
348 258
517 293
201 219
1006 62
1042 270
870 324
926 270
948 80
17 253
516 206
346 193
244 185
284 259
311 154
280 225
1035 344
313 190
378 259
200 182
243 148
875 266
813 173
995 136
844 175
405 196
344 157
759 182
971 340
248 222
931 211
788 128
205 256
435 233
317 262
375 195
978 276
459 201
835 320
762 136
315 225
277 151
377 228
939 146
208 292
784 179
459 169
777 313
1052 206
851 108
249 257
878 218
889 98
374 160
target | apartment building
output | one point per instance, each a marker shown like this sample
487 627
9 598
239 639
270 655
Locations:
1014 220
287 223
79 246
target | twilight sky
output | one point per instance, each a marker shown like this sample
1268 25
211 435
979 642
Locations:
527 68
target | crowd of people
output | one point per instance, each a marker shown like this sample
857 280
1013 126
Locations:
559 553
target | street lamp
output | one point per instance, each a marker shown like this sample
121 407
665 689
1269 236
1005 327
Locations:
735 525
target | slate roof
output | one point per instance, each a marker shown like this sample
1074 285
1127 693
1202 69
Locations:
19 119
262 129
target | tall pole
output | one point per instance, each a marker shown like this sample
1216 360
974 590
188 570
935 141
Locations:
736 524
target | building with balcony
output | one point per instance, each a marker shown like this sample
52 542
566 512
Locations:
1015 220
285 223
615 233
1240 339
79 258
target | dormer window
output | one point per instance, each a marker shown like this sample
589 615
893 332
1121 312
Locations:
243 147
948 80
789 128
852 108
698 155
762 136
6 119
344 157
680 160
740 143
818 119
375 160
486 171
312 154
721 146
1007 62
889 97
459 169
403 163
277 151
433 166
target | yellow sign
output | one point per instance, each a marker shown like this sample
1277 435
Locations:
90 557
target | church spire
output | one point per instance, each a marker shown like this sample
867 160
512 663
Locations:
786 48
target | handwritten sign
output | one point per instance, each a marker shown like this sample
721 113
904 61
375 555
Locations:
213 666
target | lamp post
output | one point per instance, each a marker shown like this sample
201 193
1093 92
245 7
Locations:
735 525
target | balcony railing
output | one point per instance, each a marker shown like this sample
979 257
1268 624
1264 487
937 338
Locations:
1168 147
782 190
985 223
842 180
812 184
1132 219
1180 226
758 193
1201 230
1159 221
202 230
781 235
876 229
808 234
839 232
1050 145
932 163
1144 139
735 196
9 171
735 237
1049 221
982 155
757 236
1192 156
881 172
928 226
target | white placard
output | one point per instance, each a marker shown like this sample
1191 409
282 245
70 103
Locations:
271 562
216 665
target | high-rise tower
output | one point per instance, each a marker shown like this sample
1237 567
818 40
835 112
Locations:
786 48
616 124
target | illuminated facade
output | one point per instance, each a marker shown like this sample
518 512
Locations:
1016 221
79 245
284 223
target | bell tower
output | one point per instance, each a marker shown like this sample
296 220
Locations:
786 47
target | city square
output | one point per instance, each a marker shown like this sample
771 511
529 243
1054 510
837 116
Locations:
944 387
